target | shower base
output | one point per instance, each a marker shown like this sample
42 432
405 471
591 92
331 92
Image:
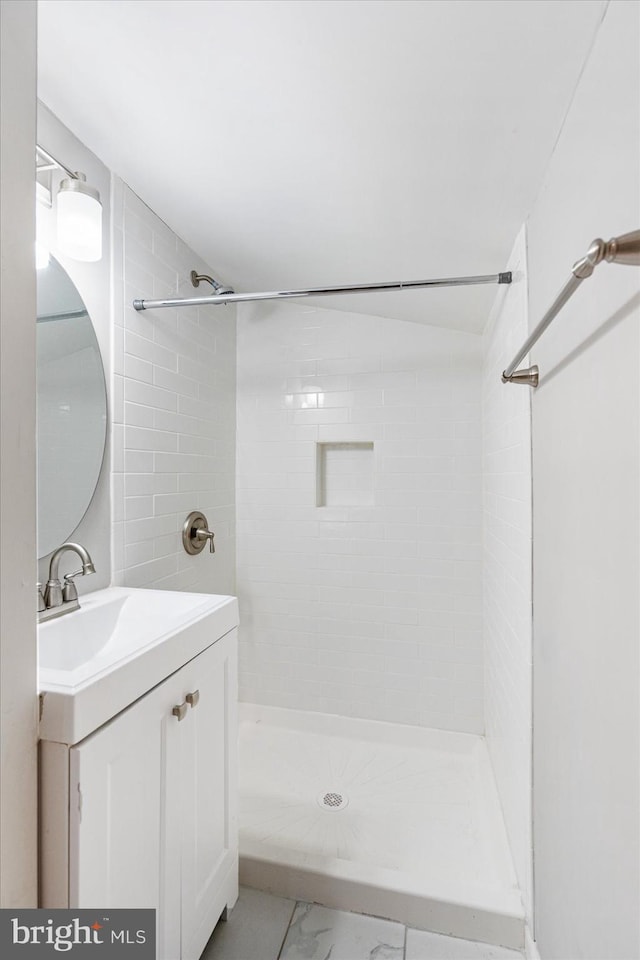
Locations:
395 821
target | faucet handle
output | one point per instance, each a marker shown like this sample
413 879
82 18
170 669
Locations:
69 590
41 604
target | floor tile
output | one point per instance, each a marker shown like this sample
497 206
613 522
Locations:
432 946
255 929
317 933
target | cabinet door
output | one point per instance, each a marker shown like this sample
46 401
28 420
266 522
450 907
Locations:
153 809
124 845
209 758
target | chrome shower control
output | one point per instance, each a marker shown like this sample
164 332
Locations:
195 533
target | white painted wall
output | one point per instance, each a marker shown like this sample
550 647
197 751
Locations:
92 281
18 681
507 624
173 441
328 142
360 609
586 481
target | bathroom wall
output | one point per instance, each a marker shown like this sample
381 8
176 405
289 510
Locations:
171 386
586 477
18 648
93 283
173 441
507 623
363 597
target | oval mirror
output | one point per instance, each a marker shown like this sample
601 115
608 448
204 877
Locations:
71 408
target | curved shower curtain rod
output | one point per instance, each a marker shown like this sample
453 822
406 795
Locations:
226 295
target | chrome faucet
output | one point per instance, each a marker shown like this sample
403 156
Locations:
58 599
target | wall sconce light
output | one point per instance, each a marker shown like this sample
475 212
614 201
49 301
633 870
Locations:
79 219
78 212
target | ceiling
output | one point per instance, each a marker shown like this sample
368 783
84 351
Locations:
318 142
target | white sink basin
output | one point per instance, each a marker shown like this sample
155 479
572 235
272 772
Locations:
95 662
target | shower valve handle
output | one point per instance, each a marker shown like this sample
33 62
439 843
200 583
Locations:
203 535
195 533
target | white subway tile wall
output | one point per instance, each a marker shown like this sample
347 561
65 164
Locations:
507 566
174 412
361 610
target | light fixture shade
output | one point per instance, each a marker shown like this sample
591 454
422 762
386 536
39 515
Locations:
79 219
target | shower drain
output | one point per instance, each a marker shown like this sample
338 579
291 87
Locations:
332 800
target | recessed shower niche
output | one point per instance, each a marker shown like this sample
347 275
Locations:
344 474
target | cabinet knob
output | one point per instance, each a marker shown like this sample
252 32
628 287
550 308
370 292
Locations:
180 711
192 698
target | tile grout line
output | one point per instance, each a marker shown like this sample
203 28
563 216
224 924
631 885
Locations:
284 939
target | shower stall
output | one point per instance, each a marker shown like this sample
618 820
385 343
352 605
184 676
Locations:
384 574
365 779
384 577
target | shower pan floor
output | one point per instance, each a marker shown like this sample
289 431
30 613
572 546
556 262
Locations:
385 819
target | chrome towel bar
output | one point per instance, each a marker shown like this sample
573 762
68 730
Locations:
623 249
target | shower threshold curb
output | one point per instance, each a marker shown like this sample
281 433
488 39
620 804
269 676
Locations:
383 893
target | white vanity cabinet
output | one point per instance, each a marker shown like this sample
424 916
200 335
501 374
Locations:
143 812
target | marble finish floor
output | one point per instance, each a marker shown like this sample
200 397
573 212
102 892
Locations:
265 927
